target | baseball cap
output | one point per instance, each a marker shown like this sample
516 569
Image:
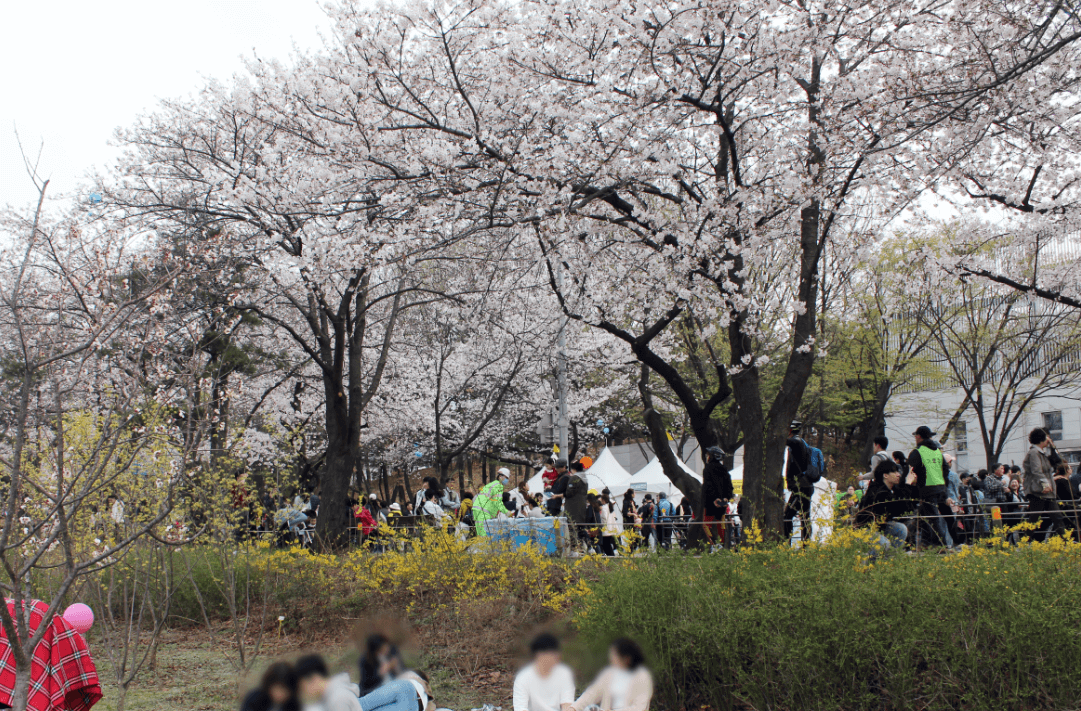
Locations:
372 496
395 507
561 463
503 471
925 432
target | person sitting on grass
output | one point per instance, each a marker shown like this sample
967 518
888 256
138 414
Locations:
276 692
546 684
625 685
380 663
888 498
321 692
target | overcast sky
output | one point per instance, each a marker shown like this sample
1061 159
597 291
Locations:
75 71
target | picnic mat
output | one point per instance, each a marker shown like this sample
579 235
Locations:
62 674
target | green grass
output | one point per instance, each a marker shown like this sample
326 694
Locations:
194 675
189 675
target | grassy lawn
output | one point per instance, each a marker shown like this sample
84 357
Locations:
194 674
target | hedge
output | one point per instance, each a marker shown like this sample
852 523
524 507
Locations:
826 629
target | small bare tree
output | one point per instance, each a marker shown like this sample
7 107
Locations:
134 599
73 430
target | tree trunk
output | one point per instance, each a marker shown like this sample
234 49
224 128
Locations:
876 424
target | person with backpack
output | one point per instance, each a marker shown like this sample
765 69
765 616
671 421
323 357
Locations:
932 473
803 471
663 518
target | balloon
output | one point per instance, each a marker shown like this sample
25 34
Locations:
95 198
587 462
606 430
80 616
417 454
600 423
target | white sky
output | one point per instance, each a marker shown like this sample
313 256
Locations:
75 71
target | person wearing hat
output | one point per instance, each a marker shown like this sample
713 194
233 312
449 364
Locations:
932 473
799 487
717 491
489 501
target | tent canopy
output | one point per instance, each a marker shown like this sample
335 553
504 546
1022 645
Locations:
650 479
605 472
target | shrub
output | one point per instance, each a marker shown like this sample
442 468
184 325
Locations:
823 628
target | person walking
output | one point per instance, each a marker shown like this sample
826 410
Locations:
800 488
931 469
717 491
647 514
613 527
489 501
1040 485
662 517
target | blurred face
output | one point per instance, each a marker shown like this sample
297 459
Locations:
311 688
545 662
615 660
852 490
891 478
1000 471
278 694
1014 485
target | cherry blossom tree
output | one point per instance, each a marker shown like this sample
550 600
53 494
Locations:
673 155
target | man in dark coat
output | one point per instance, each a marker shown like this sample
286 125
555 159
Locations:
716 493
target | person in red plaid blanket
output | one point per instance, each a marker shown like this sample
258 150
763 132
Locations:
62 675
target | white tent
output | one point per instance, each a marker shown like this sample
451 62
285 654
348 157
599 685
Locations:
651 479
605 472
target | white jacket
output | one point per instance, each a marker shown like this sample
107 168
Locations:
613 522
341 695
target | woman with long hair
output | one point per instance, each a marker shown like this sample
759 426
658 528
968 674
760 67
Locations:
625 685
277 691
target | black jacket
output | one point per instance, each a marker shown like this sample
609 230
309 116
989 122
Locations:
880 503
716 484
916 462
259 700
799 458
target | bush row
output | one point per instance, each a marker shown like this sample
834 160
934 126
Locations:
826 629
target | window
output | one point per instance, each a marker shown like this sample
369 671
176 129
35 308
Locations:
1052 422
960 436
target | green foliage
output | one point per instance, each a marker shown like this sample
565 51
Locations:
822 629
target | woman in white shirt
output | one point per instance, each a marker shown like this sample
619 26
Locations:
613 526
625 685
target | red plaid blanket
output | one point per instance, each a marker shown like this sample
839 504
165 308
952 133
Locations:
62 675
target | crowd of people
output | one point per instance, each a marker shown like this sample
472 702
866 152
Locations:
920 500
599 521
386 683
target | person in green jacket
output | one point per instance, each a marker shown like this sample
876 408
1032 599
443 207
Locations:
489 501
